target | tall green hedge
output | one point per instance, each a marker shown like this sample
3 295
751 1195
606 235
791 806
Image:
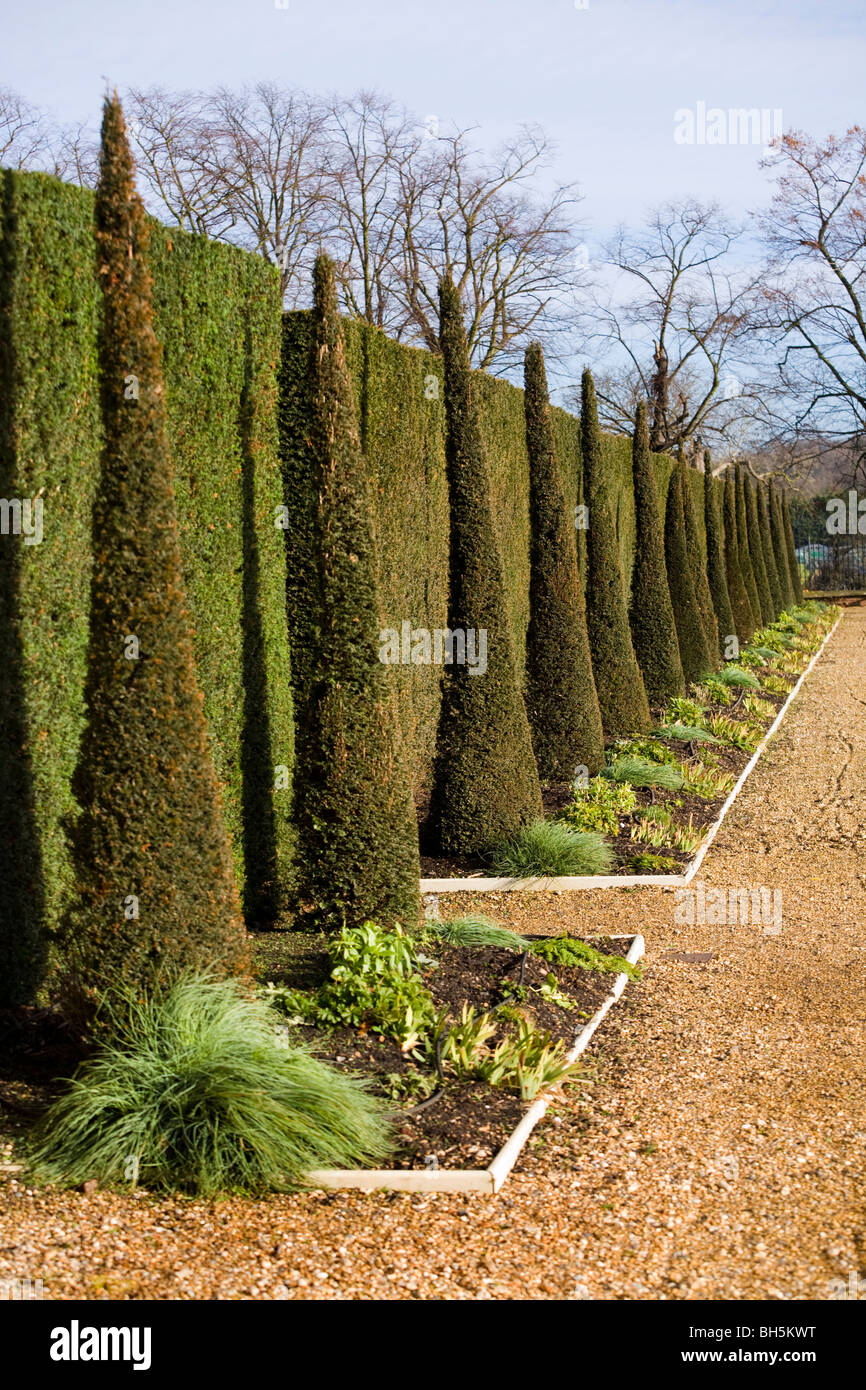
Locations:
741 604
696 554
217 316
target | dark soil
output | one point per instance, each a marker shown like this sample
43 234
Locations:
457 1124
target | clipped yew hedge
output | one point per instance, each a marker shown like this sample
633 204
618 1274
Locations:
217 314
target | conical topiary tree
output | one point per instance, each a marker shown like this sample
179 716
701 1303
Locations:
154 892
756 551
561 699
767 548
694 652
741 605
485 782
698 566
796 581
651 614
743 546
357 851
621 694
716 560
780 549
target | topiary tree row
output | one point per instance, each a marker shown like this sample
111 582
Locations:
716 560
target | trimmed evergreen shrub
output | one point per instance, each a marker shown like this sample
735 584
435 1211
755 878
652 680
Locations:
796 581
743 547
741 606
780 548
486 782
698 566
621 694
716 576
154 890
767 548
756 551
357 831
561 699
694 653
651 614
195 1086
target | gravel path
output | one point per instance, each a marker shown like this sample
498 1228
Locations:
720 1152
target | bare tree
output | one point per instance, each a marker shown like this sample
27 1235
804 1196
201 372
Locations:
27 136
813 308
676 322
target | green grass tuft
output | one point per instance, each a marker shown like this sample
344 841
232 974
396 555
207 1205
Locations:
639 772
476 931
735 675
195 1092
549 849
687 733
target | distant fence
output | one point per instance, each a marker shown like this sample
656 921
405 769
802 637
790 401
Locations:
830 563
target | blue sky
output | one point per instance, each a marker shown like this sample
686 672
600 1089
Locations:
604 81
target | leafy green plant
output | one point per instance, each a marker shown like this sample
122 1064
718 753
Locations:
707 782
475 931
682 710
688 733
714 692
656 826
649 748
464 1045
776 685
640 772
194 1087
735 675
529 1062
734 732
599 805
551 849
409 1085
568 950
374 981
549 990
653 864
758 708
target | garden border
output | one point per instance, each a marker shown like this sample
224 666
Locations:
576 883
488 1179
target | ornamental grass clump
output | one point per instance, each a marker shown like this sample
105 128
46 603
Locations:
550 849
194 1094
735 675
474 931
640 772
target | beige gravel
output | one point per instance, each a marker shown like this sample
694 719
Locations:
720 1153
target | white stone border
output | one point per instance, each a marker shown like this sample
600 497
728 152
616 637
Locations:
582 882
488 1179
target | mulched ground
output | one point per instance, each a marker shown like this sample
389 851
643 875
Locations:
719 1154
461 1124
